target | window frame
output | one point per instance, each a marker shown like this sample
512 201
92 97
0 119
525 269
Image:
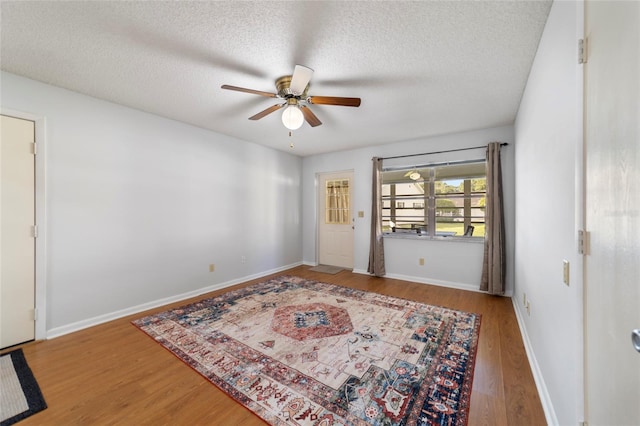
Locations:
390 199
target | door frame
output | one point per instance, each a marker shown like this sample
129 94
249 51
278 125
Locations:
320 214
40 193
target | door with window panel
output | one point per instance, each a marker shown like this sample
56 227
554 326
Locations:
335 219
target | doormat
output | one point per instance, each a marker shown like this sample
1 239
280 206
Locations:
327 269
302 352
20 396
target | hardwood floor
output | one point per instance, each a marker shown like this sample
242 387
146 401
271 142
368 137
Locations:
115 374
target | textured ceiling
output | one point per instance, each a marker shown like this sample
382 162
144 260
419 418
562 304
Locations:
421 68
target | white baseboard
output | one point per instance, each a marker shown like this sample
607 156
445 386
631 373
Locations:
440 283
432 281
421 280
100 319
545 398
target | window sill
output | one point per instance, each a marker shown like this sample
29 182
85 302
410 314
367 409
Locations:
416 236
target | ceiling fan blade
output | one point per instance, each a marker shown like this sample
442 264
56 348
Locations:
267 111
334 100
255 92
300 79
310 116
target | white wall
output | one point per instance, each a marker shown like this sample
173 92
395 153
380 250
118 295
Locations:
401 256
548 213
138 206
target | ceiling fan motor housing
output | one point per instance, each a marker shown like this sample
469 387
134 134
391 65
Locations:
284 91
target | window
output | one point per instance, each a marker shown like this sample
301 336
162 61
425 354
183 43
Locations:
338 210
435 200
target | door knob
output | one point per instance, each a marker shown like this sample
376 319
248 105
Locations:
635 338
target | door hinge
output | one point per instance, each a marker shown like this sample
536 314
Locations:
582 51
583 241
35 314
34 148
34 230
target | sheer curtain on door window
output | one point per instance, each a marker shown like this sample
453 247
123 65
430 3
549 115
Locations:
337 202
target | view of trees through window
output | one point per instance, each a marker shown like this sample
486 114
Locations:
452 197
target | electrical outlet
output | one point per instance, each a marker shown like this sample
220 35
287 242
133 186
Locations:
212 267
565 272
421 261
243 259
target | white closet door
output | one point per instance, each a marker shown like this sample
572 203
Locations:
612 196
17 242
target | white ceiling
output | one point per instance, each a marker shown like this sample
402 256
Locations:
421 68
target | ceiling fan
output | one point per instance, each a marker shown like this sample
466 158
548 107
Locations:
292 89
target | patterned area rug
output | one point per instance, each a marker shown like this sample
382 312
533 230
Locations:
301 352
20 395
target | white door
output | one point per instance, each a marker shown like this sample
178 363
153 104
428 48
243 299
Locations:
612 214
17 242
335 219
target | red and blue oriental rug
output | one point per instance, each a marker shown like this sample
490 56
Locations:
301 352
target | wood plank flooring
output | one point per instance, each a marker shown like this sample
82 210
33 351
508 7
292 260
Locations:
113 374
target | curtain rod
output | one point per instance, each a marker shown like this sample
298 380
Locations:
439 152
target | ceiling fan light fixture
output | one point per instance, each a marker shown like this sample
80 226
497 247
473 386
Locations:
292 117
414 176
293 90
